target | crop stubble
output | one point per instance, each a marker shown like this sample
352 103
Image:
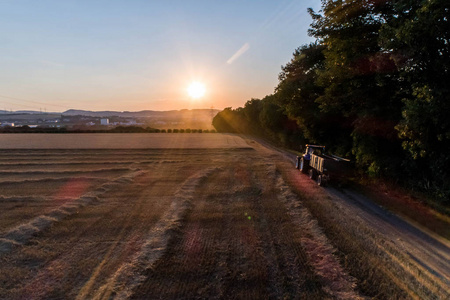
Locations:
231 234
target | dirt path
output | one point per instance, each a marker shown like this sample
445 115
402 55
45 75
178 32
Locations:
417 260
429 253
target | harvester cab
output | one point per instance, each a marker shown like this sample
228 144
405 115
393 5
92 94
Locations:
302 162
312 162
313 149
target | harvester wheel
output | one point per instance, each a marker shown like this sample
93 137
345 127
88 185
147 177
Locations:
312 173
321 181
303 166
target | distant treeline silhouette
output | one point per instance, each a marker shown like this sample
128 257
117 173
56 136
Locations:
118 129
374 86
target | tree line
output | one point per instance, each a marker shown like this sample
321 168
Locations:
374 86
117 129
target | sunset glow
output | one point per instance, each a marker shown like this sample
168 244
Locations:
144 55
196 90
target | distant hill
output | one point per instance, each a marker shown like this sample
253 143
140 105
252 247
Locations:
184 118
143 114
125 114
29 112
29 116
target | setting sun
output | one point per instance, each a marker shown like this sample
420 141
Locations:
196 90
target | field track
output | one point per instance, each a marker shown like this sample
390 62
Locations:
216 216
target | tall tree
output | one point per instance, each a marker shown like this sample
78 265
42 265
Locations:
228 121
360 78
298 92
418 32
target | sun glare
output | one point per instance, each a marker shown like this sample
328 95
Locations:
196 90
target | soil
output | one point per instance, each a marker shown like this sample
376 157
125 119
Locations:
232 219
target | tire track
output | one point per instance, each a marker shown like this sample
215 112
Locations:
336 281
237 242
23 233
130 274
90 245
320 253
189 267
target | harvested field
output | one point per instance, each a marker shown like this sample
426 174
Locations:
119 141
173 221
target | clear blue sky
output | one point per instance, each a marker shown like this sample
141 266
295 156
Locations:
142 54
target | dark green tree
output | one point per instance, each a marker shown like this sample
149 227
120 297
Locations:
359 79
226 121
252 109
418 33
298 92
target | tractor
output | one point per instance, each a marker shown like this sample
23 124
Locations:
317 164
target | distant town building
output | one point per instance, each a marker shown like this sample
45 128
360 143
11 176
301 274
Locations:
52 121
130 122
104 121
4 124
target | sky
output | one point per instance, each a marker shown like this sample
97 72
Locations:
142 54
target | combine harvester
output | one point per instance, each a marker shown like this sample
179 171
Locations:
319 165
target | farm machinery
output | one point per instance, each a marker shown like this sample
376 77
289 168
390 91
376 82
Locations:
319 165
